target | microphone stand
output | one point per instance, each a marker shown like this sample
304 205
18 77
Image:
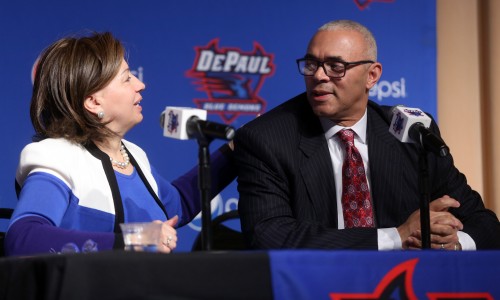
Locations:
437 146
425 196
204 185
204 138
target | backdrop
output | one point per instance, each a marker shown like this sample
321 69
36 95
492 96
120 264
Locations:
234 58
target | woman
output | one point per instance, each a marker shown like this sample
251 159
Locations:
82 179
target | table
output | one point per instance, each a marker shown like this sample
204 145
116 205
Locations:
129 275
287 274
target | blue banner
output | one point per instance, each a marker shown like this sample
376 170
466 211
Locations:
236 59
341 275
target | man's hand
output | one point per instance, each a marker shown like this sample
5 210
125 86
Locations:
443 226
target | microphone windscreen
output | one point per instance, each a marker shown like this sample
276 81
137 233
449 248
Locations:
174 121
403 118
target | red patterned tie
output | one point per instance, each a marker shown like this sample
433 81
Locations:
356 204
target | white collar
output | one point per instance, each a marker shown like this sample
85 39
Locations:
331 128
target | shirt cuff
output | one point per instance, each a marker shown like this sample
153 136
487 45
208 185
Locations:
466 241
389 239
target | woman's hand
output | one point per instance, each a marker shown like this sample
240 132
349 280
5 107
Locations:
168 235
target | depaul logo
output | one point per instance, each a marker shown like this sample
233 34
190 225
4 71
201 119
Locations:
231 78
172 122
398 124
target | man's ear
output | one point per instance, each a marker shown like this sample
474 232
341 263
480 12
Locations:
92 104
374 74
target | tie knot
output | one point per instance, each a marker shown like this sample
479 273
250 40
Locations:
347 137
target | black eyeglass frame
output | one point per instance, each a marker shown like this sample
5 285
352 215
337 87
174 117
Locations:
322 64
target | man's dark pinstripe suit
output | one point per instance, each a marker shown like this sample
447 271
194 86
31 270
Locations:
287 189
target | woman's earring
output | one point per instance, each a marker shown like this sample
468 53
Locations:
100 115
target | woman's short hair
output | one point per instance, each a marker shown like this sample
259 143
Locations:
69 71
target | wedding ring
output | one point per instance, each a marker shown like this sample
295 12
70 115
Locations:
442 246
457 247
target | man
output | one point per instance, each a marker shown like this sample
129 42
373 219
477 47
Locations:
291 162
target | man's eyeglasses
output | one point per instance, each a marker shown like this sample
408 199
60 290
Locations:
333 68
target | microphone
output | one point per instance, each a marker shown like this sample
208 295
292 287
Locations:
209 129
184 123
411 125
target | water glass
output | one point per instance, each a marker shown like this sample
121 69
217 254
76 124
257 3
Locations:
141 236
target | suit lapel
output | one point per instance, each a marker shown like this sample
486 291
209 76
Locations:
317 171
386 168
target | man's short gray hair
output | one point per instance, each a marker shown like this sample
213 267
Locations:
371 44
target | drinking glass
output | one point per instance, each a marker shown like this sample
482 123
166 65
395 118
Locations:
141 236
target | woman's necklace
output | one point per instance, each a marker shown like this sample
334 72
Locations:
126 159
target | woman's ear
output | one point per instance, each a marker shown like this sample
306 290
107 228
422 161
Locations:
92 104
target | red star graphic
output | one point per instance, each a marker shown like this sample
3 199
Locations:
398 284
400 277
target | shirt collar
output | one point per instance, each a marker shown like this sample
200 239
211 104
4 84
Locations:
331 128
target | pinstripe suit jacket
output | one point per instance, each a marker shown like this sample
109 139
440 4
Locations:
287 189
